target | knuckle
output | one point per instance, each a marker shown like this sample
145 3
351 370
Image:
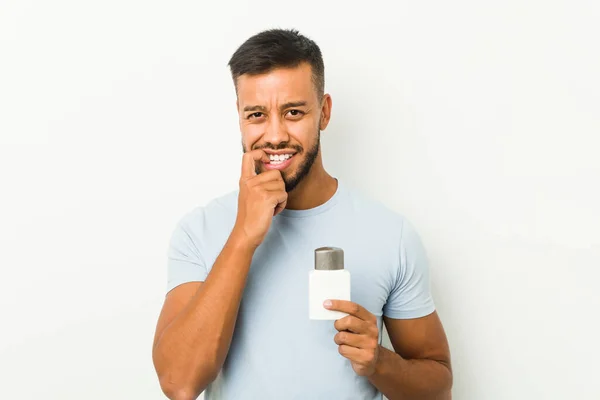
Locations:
345 323
373 331
355 308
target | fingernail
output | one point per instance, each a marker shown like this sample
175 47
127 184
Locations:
327 303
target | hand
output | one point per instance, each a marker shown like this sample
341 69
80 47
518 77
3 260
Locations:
261 197
358 336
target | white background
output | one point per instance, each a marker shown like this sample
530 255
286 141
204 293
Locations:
479 121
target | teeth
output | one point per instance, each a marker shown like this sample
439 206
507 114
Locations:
279 158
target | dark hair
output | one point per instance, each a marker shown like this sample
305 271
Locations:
278 48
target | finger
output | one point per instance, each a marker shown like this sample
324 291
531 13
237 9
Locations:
280 201
359 356
280 207
352 324
249 160
268 176
351 308
272 186
355 340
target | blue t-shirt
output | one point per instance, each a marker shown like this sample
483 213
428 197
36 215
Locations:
276 351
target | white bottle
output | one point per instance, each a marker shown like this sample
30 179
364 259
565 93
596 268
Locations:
328 281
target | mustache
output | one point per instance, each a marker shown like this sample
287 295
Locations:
281 146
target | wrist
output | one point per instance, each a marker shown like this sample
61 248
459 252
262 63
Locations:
383 361
240 242
379 363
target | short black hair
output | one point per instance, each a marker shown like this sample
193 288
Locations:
278 48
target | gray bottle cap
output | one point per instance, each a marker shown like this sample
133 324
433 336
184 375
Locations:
329 258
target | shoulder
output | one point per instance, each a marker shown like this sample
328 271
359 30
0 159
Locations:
214 214
390 226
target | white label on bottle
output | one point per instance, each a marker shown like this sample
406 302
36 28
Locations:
327 285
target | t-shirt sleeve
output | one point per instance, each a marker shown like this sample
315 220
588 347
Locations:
184 260
410 296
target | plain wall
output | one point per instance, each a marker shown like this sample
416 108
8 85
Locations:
479 121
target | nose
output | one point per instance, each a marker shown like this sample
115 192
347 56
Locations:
275 132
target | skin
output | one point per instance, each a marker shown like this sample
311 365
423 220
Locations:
282 110
269 121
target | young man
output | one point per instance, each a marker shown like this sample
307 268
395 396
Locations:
235 322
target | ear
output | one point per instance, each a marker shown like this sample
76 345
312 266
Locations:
325 112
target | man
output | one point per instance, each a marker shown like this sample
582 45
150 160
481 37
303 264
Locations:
234 323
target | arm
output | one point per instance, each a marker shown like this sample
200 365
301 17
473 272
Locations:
196 324
420 367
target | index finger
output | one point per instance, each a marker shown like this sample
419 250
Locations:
249 162
350 308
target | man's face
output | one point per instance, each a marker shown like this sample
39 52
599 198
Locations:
280 113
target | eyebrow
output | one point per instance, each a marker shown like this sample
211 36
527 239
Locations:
291 104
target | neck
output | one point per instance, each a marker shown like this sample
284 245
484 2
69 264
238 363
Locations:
315 189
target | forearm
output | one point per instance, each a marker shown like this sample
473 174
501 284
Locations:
401 379
194 346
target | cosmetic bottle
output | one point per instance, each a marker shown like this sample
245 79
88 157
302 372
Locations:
328 281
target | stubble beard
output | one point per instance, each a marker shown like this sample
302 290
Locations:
292 180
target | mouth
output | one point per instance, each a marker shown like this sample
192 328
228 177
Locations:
279 161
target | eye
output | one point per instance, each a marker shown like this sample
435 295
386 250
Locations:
254 115
295 113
